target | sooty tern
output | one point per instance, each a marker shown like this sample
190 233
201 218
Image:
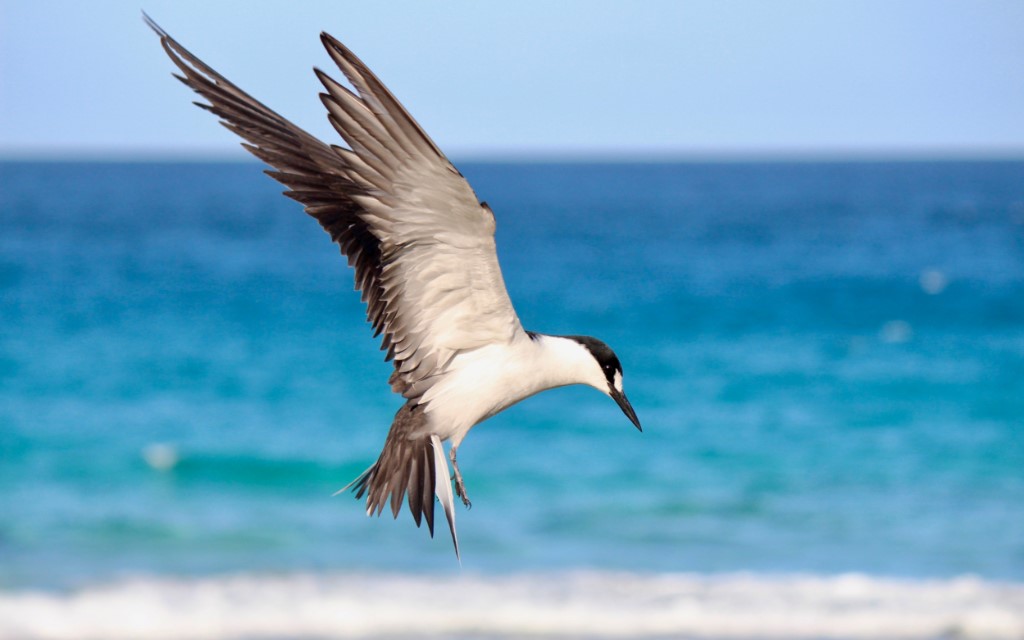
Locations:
422 247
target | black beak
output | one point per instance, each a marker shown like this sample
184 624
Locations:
627 408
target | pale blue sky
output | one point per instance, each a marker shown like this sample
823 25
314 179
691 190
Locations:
535 77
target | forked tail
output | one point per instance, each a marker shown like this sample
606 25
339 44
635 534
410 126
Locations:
409 466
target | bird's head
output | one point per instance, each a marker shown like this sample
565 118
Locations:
606 375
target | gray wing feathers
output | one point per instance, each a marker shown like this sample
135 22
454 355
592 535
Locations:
443 290
402 127
421 244
316 174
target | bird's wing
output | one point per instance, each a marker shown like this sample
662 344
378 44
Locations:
421 244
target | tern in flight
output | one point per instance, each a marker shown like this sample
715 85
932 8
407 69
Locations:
422 247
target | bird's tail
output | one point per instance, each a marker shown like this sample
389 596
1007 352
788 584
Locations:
410 465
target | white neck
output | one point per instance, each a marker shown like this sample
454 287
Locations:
563 361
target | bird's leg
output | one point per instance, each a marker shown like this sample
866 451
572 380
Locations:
460 487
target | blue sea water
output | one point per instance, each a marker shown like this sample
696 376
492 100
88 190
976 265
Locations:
827 358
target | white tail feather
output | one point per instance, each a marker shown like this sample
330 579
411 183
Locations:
443 488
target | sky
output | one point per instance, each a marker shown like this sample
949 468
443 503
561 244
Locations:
534 77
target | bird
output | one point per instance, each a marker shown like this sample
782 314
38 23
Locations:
423 252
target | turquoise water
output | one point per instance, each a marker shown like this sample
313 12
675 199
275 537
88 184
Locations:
828 361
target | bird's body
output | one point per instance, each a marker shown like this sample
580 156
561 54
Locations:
486 381
423 251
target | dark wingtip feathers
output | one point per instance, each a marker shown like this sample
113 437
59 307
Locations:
153 25
330 42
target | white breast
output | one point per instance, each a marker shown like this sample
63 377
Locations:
485 381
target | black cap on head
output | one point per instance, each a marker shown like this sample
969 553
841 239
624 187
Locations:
610 365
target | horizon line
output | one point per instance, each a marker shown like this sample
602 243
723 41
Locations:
553 156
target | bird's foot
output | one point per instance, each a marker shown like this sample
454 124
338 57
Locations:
460 486
460 490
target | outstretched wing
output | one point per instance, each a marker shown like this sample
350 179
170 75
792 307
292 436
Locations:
421 244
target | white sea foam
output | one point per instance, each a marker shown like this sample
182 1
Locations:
585 604
161 456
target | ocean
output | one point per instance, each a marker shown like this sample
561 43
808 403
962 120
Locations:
827 359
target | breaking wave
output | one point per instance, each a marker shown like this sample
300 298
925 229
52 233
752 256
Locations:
561 605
